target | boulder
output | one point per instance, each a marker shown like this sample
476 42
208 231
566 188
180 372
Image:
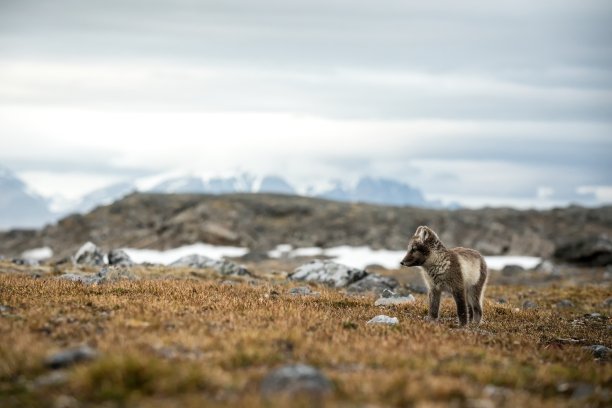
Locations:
119 257
89 254
296 379
588 251
329 273
373 283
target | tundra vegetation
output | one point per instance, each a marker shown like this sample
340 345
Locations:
177 336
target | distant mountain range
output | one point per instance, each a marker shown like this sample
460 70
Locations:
19 205
21 208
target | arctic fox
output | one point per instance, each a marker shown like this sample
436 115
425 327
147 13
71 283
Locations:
460 271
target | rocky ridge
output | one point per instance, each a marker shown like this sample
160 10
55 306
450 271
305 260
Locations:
262 221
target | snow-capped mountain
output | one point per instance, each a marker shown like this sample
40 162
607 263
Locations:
367 189
19 206
377 191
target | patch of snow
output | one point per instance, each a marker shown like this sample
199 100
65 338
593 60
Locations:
362 256
498 262
38 254
171 255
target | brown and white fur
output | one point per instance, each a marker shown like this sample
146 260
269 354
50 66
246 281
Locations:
460 271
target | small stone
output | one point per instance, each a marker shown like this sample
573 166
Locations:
594 315
383 319
502 301
296 379
512 270
115 273
51 379
582 391
89 254
87 280
70 356
607 302
119 257
394 300
600 351
565 303
302 290
5 308
25 262
528 304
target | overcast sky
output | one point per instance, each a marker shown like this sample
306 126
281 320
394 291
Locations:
474 101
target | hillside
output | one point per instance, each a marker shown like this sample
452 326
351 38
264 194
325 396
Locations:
262 221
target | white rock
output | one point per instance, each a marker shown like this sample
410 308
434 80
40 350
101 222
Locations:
394 300
382 319
328 272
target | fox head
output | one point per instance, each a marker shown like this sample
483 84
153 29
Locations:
420 247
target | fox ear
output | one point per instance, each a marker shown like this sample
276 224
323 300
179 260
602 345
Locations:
422 233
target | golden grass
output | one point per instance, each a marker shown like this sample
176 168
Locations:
196 341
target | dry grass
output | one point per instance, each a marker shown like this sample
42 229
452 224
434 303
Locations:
197 341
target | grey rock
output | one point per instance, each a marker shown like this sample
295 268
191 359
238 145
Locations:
502 301
329 273
303 290
565 303
86 279
89 254
203 262
594 250
25 262
5 308
70 356
54 378
512 270
383 319
582 391
528 304
119 257
607 302
546 267
230 268
600 351
389 298
296 379
373 283
115 273
194 261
